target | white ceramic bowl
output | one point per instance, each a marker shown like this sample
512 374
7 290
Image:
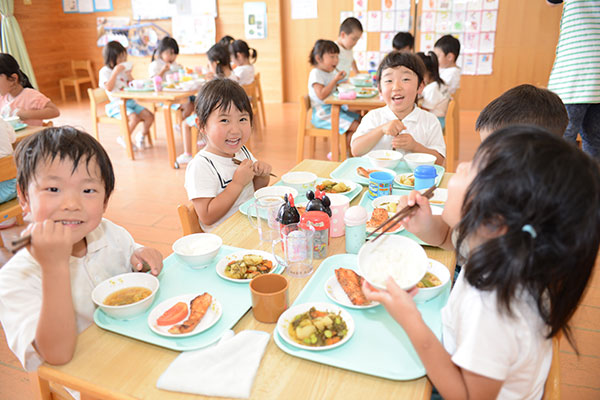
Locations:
359 80
345 88
413 160
197 249
384 158
275 191
392 255
13 121
300 180
131 279
439 270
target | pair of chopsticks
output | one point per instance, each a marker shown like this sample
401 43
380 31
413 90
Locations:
18 244
406 211
238 162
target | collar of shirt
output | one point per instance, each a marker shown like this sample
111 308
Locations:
411 117
96 240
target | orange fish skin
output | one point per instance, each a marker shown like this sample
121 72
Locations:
198 307
351 282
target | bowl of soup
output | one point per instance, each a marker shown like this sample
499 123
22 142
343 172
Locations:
300 180
413 160
436 278
384 158
198 249
126 296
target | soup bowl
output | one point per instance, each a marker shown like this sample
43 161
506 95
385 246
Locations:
384 158
123 281
413 160
441 272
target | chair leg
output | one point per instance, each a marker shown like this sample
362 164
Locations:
194 139
257 123
77 92
311 146
95 128
153 126
343 146
63 95
300 146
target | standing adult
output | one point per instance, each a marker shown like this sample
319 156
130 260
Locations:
575 76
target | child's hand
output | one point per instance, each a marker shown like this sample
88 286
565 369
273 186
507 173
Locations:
398 303
119 68
147 259
404 141
393 128
261 168
51 242
244 172
340 76
420 218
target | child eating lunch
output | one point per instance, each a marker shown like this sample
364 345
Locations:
400 125
529 243
215 184
64 181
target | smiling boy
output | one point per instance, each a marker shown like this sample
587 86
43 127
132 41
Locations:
400 125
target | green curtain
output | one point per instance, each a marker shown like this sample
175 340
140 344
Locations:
12 39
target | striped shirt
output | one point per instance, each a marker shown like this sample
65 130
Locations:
575 76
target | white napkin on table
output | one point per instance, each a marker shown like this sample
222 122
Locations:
226 369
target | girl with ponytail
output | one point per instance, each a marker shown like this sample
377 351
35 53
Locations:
243 58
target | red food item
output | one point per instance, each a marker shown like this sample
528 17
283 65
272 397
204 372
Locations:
199 305
351 282
173 315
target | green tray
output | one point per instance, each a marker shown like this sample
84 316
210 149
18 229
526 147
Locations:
19 125
379 346
144 89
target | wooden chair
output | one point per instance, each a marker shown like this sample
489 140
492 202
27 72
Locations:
552 386
451 133
251 90
11 208
260 99
78 78
306 128
188 219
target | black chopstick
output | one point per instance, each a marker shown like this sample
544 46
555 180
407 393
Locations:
390 222
238 162
18 244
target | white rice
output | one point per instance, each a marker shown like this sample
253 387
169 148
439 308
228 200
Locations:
404 265
197 247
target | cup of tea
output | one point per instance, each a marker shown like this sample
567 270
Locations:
380 184
296 249
262 215
269 297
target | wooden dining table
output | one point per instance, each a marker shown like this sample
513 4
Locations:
25 132
107 365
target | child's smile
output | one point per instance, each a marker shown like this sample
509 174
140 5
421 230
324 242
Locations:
399 88
227 130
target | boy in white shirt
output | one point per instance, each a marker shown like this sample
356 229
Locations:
400 125
447 49
350 32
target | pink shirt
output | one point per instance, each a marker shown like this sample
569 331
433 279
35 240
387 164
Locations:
28 99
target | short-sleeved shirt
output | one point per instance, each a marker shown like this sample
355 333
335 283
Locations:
245 74
422 125
158 64
109 248
28 99
483 340
208 174
345 60
120 82
451 76
436 99
7 138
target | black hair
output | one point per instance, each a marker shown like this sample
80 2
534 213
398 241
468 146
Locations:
402 40
239 46
431 66
64 142
320 48
219 54
525 104
221 93
166 43
111 52
448 44
9 67
350 25
227 41
528 176
396 59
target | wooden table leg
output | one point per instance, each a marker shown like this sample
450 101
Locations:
41 387
125 130
170 137
335 132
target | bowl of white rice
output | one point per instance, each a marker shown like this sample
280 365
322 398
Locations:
198 249
391 255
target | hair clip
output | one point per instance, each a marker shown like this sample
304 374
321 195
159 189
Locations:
529 229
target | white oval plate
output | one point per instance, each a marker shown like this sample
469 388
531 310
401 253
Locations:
288 316
347 182
335 292
238 255
440 196
397 179
376 204
213 314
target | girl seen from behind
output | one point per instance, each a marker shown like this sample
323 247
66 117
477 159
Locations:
219 61
435 93
530 243
19 98
243 59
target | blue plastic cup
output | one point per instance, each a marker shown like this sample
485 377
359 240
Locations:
380 184
424 176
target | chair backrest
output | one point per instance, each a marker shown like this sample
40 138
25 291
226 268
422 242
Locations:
83 65
98 96
188 219
250 90
552 386
8 168
258 87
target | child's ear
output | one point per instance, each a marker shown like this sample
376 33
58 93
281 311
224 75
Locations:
421 87
23 201
451 57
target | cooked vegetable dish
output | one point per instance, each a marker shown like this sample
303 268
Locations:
317 328
429 280
248 267
333 187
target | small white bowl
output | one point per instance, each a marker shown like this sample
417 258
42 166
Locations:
345 88
13 121
300 180
197 249
392 255
413 160
275 191
439 270
359 80
384 158
130 279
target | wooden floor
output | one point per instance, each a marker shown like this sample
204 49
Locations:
148 191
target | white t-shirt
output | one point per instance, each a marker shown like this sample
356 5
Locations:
345 60
7 138
120 82
451 77
422 125
109 248
487 342
208 174
436 99
158 64
318 76
245 74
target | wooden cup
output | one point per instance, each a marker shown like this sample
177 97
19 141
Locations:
269 297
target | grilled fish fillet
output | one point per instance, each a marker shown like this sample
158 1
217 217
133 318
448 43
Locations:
198 307
351 282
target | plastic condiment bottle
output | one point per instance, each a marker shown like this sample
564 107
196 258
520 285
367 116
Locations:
355 219
320 221
425 176
157 83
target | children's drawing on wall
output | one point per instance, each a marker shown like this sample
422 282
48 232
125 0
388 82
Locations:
138 39
112 28
255 20
143 40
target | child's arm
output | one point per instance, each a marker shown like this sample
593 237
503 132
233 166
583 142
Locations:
405 141
110 83
429 228
261 174
147 259
211 209
450 380
322 91
49 111
361 145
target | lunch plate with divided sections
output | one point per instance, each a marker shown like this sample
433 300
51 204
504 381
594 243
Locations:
379 346
177 278
347 170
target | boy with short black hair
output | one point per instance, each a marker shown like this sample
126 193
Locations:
447 50
404 42
350 32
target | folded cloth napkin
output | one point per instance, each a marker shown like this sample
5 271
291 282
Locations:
226 369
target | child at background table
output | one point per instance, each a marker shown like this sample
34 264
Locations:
400 125
214 183
64 181
19 98
243 59
530 243
350 32
435 93
403 42
447 49
8 189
